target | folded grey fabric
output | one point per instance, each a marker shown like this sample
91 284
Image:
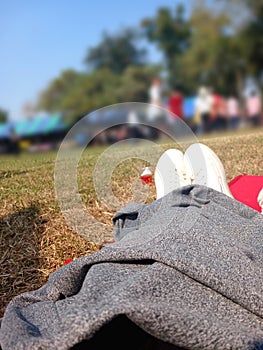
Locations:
185 273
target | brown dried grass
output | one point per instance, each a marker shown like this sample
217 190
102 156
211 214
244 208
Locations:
34 236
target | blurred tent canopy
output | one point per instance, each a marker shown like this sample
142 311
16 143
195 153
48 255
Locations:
40 125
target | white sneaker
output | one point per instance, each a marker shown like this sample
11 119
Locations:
170 172
260 199
205 168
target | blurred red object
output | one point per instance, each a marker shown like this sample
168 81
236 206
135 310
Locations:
245 188
175 104
146 176
68 261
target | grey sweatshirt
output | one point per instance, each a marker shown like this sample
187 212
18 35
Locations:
185 272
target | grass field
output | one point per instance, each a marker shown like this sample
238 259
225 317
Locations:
34 236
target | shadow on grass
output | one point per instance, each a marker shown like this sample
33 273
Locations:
19 257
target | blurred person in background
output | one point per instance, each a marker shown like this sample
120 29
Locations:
155 92
203 107
218 114
112 135
175 103
233 112
154 114
134 127
14 139
254 108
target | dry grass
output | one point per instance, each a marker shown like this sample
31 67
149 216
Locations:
34 236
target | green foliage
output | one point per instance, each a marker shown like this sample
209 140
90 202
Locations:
118 76
218 46
116 52
3 116
207 61
172 34
252 37
77 93
52 98
135 82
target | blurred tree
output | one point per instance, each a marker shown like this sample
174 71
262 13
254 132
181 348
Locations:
212 47
3 116
116 52
51 99
244 45
75 93
135 82
215 56
251 36
171 32
219 45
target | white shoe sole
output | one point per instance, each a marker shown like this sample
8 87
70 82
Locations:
170 172
205 168
260 199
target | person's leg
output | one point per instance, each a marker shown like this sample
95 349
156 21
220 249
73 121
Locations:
234 122
255 120
198 252
206 122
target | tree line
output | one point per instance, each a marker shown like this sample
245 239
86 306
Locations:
218 45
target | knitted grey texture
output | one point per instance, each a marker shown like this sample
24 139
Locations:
186 269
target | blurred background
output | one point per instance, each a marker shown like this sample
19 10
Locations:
60 60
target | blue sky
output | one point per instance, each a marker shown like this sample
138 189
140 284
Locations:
39 39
